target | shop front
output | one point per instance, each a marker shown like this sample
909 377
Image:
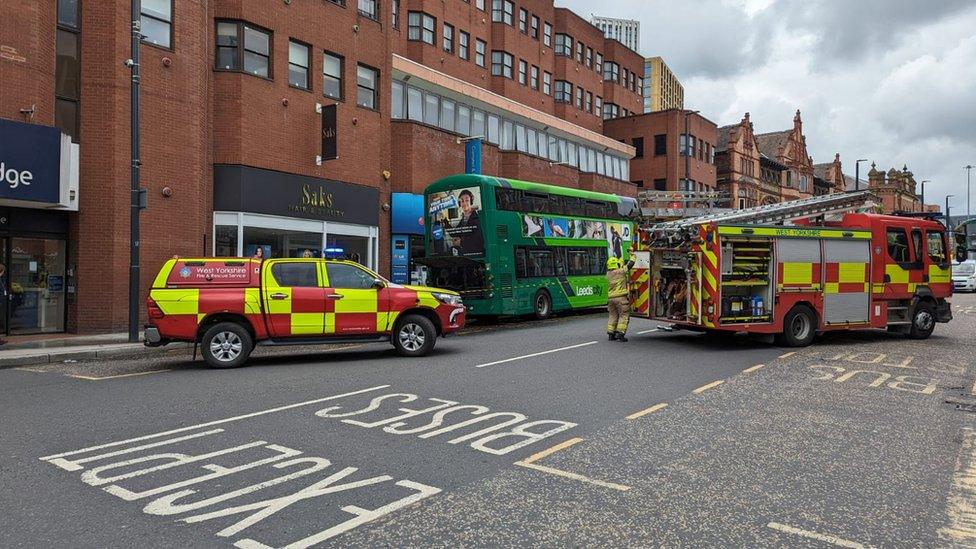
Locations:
38 187
277 214
407 239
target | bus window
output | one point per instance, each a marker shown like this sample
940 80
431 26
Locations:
560 260
540 263
898 245
507 199
521 265
534 202
936 248
600 261
580 262
597 209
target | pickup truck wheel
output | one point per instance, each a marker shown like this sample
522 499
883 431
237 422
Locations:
799 327
414 335
923 321
226 345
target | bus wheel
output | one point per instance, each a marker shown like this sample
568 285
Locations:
923 321
542 305
799 327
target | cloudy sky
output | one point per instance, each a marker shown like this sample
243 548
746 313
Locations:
893 81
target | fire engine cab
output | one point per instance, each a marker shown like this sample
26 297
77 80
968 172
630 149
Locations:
795 269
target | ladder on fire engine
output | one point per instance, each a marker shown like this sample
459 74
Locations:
779 213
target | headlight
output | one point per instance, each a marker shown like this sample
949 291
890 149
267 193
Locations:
449 299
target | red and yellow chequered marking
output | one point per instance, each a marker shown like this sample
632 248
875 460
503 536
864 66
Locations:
900 280
709 249
640 281
844 278
696 274
798 276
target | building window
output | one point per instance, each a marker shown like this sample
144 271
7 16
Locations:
298 55
579 97
598 106
534 28
420 27
502 64
369 8
67 80
480 4
638 143
157 22
523 72
611 71
395 14
547 34
660 184
589 56
546 83
564 92
448 38
534 78
599 63
610 110
332 66
579 52
255 49
523 20
367 79
463 40
589 102
502 11
480 47
564 45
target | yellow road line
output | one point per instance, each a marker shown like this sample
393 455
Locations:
826 538
650 410
89 378
753 369
704 388
787 355
574 476
536 457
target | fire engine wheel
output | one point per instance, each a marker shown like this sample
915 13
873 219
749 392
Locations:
542 305
226 345
414 335
923 321
799 327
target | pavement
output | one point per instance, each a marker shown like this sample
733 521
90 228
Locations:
527 433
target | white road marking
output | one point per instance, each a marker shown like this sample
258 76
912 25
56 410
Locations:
650 410
642 332
961 505
89 378
536 354
752 369
211 423
704 388
787 355
32 370
574 476
826 538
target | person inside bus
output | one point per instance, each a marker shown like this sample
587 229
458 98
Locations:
470 240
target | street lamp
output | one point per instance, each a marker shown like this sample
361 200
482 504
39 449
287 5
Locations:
948 196
924 181
687 148
857 173
969 168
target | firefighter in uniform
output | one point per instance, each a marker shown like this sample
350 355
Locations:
618 297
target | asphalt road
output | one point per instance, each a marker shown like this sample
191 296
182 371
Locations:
534 433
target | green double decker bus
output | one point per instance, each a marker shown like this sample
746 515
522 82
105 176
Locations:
514 247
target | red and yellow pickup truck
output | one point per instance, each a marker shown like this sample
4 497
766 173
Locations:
229 305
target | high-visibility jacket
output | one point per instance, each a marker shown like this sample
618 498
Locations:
618 281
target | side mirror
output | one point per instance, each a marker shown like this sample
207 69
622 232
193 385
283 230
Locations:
378 284
961 247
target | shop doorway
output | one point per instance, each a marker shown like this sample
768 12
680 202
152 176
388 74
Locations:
34 280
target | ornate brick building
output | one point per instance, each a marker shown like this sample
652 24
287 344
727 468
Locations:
896 189
828 177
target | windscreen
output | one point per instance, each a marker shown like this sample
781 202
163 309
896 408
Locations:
964 269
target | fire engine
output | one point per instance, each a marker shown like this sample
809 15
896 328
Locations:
795 269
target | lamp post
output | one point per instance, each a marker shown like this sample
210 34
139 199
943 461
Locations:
947 222
969 168
687 147
135 194
924 181
857 173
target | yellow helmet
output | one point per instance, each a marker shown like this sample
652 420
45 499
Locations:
614 263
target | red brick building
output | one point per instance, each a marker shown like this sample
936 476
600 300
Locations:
662 160
756 169
235 97
896 189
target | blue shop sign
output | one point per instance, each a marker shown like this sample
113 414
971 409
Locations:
407 213
30 162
